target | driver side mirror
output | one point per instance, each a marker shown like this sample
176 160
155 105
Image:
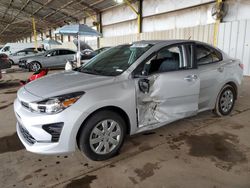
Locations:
144 85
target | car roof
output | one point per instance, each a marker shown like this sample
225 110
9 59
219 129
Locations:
61 49
28 49
169 42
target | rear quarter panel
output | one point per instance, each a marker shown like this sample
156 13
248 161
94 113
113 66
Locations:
232 73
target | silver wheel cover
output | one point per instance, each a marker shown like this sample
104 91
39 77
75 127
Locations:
105 137
226 101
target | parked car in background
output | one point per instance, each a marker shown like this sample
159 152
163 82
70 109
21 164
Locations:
88 54
11 48
15 57
54 58
4 61
127 89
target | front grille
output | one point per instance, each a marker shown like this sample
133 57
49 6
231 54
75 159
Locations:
26 135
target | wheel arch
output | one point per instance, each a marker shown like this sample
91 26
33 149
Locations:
33 61
231 83
11 61
115 109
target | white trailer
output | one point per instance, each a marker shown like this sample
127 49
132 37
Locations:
11 48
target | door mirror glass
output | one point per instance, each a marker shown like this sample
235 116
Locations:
144 85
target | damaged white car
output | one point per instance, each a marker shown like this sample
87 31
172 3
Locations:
125 90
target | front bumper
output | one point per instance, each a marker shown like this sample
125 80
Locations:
35 139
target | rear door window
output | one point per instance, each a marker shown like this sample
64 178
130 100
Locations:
70 52
66 52
206 55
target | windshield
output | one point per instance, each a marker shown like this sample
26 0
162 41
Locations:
114 61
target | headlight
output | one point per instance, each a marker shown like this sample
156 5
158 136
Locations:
55 105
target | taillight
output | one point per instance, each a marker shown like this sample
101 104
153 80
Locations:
241 66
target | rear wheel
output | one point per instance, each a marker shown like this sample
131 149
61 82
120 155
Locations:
102 135
35 66
225 101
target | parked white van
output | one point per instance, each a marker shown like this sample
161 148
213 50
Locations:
11 48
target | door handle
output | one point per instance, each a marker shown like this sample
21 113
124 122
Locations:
220 69
191 78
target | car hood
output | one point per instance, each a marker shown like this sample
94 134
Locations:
66 82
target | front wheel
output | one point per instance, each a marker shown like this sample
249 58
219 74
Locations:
225 101
102 135
34 66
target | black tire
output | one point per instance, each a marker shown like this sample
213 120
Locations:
34 66
86 133
220 109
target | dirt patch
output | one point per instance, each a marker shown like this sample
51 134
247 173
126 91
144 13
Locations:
111 166
237 126
10 143
27 177
9 84
81 183
148 133
38 170
133 180
5 106
223 147
134 141
177 141
10 92
145 148
147 170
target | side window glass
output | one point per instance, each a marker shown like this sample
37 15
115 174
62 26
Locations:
54 53
61 52
64 52
21 53
70 52
206 55
6 48
167 59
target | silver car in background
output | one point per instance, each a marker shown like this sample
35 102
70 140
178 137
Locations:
127 89
28 52
54 58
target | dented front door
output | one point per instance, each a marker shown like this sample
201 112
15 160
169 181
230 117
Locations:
170 96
